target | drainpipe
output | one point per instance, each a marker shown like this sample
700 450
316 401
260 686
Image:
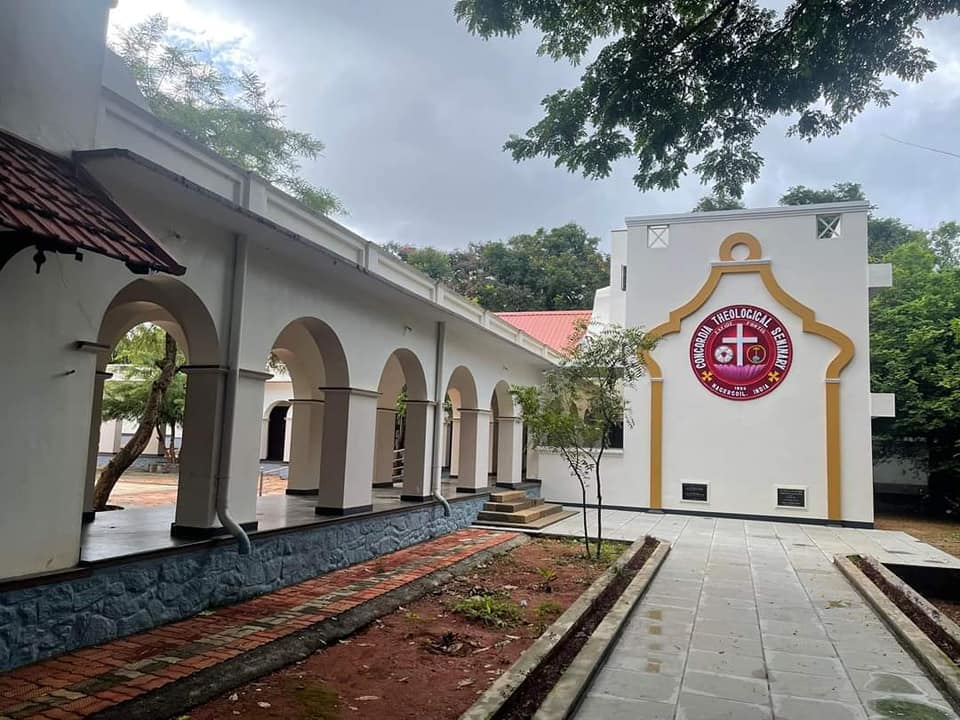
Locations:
438 394
230 394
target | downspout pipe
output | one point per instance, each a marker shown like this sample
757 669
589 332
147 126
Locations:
230 395
439 391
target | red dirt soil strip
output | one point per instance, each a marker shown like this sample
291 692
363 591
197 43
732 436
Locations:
537 685
932 630
424 661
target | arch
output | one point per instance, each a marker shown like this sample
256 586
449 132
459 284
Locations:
277 432
754 263
471 427
312 341
175 307
315 360
170 303
400 441
506 437
404 366
461 379
506 403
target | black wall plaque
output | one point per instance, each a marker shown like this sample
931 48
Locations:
694 491
791 497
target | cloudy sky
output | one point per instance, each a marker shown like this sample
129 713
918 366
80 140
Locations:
414 112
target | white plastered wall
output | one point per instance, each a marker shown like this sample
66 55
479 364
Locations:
745 449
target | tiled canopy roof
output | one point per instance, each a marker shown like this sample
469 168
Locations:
50 202
556 328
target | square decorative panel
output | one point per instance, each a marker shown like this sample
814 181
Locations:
658 236
828 227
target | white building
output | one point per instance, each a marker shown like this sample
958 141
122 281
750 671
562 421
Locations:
757 401
109 218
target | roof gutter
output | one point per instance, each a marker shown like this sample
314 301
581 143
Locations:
234 330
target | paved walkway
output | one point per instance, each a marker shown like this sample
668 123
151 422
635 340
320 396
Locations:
750 620
82 683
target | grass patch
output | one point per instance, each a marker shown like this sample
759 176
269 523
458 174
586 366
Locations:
492 610
908 710
319 702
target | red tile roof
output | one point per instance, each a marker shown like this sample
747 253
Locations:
556 328
51 202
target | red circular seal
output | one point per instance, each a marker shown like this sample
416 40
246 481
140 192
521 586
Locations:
741 352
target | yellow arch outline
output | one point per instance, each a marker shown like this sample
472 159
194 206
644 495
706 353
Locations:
809 323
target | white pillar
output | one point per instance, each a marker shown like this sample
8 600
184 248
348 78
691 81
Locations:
533 463
455 446
417 457
117 436
199 453
288 435
445 447
493 455
347 462
245 448
384 430
93 449
474 449
304 475
509 450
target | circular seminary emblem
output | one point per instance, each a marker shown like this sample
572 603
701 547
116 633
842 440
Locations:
741 352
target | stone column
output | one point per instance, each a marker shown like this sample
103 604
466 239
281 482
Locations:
196 515
347 463
509 450
245 447
384 429
533 463
118 435
493 452
288 436
93 448
474 449
455 445
303 477
417 458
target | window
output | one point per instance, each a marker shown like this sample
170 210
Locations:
623 278
658 236
615 437
828 227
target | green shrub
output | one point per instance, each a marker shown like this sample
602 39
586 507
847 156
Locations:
493 610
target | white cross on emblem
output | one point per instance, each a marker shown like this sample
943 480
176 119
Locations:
740 341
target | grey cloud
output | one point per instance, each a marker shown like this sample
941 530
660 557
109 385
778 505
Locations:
414 112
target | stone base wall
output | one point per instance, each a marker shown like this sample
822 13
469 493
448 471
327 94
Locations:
123 598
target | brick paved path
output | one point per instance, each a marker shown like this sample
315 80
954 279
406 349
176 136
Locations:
126 496
82 683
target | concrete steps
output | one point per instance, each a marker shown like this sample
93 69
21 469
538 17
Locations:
513 508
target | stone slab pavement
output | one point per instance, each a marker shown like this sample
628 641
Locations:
85 682
750 620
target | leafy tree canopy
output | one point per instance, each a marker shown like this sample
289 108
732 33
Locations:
915 353
139 353
557 269
711 203
679 79
231 113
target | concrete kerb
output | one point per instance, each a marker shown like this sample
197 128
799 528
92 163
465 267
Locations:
562 701
207 684
941 668
490 702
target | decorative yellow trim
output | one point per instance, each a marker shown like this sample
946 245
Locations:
809 324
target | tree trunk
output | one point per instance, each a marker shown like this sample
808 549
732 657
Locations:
161 441
596 470
136 445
